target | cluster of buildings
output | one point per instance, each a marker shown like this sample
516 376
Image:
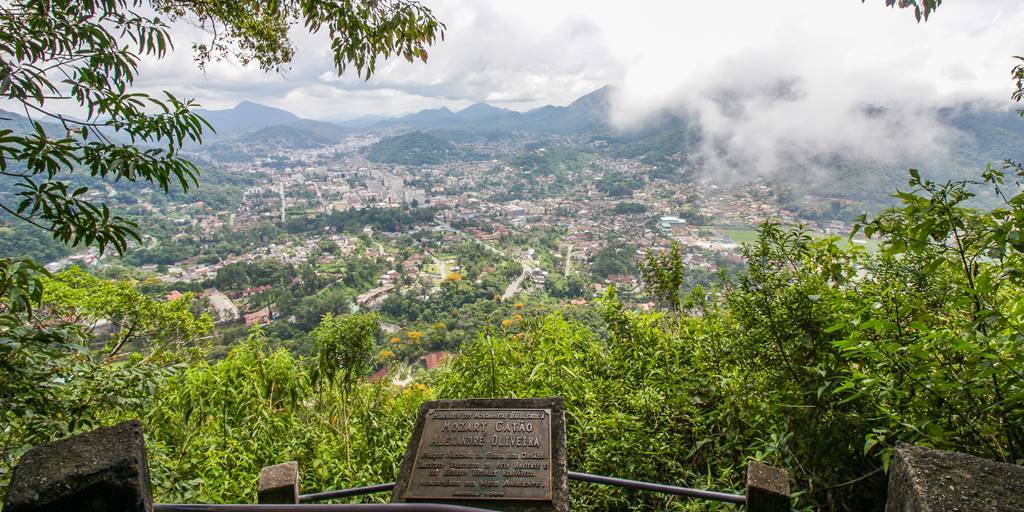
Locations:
491 201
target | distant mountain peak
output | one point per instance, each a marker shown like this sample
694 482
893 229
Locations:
481 111
429 116
246 116
598 97
482 106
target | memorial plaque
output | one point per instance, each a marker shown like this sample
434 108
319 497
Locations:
483 453
502 454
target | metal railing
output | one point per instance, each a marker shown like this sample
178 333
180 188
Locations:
659 488
736 499
767 487
306 500
344 493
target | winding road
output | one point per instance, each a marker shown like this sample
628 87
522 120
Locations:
517 283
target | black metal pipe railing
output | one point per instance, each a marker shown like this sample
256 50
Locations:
361 507
662 488
737 499
344 493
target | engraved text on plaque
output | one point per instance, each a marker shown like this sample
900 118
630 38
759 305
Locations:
483 454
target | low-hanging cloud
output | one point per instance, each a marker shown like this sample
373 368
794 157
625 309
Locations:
785 86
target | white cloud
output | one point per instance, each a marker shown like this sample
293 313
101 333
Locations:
777 85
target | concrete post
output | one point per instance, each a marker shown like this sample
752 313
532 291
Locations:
925 480
280 483
98 471
767 488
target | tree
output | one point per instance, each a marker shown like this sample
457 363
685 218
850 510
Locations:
63 363
922 8
663 276
360 32
344 346
130 317
326 246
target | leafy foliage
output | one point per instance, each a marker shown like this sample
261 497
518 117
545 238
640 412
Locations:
344 345
616 258
360 32
663 275
818 357
95 46
922 8
62 338
211 428
126 316
61 363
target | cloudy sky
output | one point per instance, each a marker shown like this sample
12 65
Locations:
775 85
528 53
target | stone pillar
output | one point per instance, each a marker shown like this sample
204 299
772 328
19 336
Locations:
280 483
767 488
98 471
922 479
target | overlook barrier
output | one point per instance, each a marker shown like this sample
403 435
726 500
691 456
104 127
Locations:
106 469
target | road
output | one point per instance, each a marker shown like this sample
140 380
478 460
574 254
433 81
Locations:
442 266
517 283
284 216
514 286
568 261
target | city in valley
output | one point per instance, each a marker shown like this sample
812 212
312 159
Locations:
445 239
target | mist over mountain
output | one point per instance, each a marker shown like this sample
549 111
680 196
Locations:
948 138
722 144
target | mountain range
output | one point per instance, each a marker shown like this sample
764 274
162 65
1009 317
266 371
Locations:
665 140
589 113
263 124
254 123
250 122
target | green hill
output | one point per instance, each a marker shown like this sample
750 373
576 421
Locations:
415 148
